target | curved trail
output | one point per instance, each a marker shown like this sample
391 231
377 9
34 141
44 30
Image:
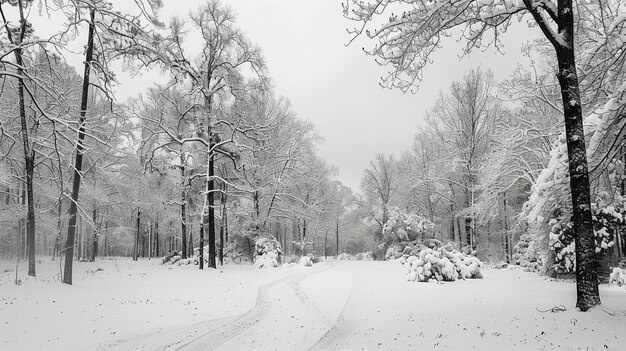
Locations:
283 316
255 315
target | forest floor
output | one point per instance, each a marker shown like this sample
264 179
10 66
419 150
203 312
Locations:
119 304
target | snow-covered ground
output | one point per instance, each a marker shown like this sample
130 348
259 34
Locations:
334 305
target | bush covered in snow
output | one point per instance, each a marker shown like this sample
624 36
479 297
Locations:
443 264
524 253
618 276
267 260
268 252
365 256
403 226
361 256
605 219
346 257
411 248
306 261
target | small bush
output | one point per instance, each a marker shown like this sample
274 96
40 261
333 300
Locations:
345 257
618 276
441 264
267 252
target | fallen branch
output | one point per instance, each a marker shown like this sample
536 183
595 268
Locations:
554 309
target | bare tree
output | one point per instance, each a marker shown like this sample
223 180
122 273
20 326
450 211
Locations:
380 183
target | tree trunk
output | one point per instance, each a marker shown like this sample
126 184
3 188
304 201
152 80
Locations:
337 233
29 153
325 243
224 224
21 225
620 231
210 202
136 250
586 275
221 246
468 231
190 243
183 215
76 246
225 221
201 249
80 149
29 160
507 236
157 247
105 251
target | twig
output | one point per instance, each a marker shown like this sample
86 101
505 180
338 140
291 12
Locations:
612 314
554 309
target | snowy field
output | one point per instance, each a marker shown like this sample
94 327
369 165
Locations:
119 304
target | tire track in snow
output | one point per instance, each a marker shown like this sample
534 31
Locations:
341 327
258 312
180 337
165 340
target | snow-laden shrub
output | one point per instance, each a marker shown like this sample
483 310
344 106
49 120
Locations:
365 256
184 262
605 219
265 245
530 252
267 252
618 276
306 261
410 248
170 258
267 260
441 264
403 226
345 256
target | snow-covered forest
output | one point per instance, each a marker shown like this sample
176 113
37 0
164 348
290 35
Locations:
200 213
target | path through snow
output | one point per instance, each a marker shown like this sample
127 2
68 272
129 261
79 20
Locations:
334 305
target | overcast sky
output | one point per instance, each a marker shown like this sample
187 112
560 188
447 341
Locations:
336 87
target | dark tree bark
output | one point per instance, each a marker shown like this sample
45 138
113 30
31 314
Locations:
505 229
105 250
156 239
225 220
201 249
211 202
136 249
22 226
80 149
190 243
337 232
587 294
29 152
183 215
221 246
222 225
325 244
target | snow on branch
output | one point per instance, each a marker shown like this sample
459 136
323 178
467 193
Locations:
408 32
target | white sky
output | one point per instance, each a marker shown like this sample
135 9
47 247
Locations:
336 87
